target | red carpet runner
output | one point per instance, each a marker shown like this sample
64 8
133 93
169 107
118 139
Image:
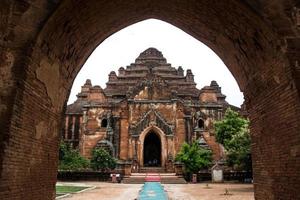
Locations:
152 177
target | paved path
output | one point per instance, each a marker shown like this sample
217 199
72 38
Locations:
109 191
152 191
210 192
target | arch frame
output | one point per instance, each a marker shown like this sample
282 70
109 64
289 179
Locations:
261 53
163 141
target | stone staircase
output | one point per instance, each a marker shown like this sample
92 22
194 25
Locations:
171 178
152 170
134 178
165 178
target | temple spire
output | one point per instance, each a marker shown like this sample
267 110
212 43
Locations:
151 55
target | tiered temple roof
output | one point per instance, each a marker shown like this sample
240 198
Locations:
151 61
150 66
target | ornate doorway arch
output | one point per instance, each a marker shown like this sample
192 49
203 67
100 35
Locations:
152 150
163 143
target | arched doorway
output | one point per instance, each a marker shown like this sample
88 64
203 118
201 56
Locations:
152 150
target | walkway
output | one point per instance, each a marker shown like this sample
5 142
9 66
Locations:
109 191
152 191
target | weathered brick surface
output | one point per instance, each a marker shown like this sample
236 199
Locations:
124 139
257 40
160 99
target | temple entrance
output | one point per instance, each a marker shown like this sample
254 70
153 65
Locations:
152 150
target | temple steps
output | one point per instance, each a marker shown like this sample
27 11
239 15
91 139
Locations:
152 170
164 178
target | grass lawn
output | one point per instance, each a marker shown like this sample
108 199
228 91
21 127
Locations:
68 189
57 195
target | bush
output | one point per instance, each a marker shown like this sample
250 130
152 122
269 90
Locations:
233 133
70 159
102 160
194 157
238 152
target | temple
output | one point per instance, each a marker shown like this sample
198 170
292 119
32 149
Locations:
145 113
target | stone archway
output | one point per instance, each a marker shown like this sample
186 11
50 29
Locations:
152 151
165 145
45 43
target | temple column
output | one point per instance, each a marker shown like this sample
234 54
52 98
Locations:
80 124
135 149
66 127
188 128
170 153
124 139
82 130
139 152
130 148
170 145
135 153
73 127
116 139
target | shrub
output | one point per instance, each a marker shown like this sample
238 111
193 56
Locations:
70 159
233 133
194 157
102 160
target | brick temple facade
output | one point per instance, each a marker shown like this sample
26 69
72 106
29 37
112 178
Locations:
145 113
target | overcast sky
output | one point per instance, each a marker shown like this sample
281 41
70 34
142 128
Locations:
179 48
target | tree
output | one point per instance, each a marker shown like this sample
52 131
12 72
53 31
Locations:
194 157
102 160
70 159
233 133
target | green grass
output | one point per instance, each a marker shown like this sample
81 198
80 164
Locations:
68 189
57 195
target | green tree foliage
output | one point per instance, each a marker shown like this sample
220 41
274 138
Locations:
194 157
233 133
70 159
102 160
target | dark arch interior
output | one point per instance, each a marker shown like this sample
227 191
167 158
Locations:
200 123
152 150
104 123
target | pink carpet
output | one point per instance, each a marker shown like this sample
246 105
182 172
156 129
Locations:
152 177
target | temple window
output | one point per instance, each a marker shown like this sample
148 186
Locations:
104 123
200 124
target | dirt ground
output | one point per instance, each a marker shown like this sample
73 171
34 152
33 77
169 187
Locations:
210 192
109 191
